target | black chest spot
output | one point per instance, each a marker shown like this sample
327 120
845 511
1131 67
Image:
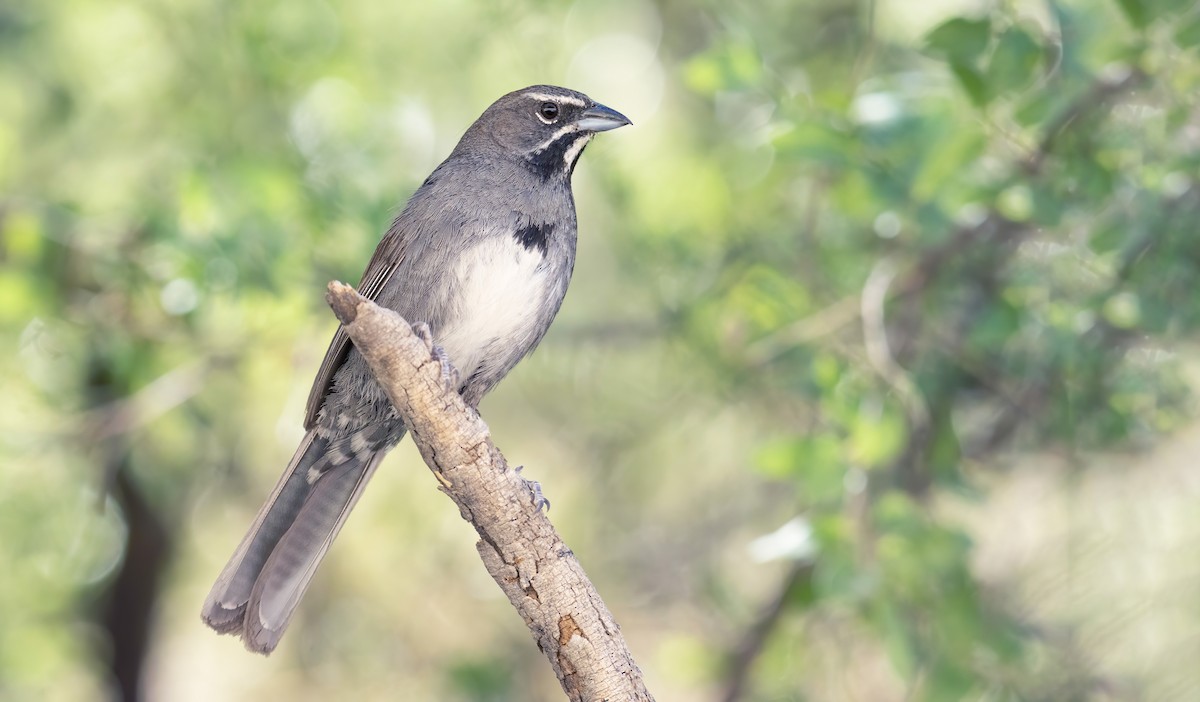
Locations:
534 236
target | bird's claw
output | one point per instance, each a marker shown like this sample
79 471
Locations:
450 377
539 500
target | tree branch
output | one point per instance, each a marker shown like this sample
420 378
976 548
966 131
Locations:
737 682
519 547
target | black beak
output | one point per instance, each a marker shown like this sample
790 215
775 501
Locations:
599 118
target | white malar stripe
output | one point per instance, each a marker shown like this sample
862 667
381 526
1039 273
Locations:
573 152
567 129
501 285
557 98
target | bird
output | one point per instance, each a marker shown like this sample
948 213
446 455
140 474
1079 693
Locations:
482 254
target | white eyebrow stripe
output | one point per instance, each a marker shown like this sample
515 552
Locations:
564 130
557 98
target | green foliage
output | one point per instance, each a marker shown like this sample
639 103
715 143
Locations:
481 681
1036 246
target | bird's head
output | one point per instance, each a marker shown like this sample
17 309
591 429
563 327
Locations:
545 126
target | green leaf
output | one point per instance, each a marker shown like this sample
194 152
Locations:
995 325
1014 61
1039 106
1122 310
825 371
949 683
945 451
481 680
875 440
1135 12
815 141
895 511
814 462
1170 7
960 40
957 148
1107 238
1015 202
1187 35
896 635
971 81
703 75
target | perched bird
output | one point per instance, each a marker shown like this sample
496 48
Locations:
482 253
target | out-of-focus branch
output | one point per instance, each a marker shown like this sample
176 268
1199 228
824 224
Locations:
519 546
756 637
129 599
879 350
1100 93
158 397
884 286
840 315
133 594
845 312
829 320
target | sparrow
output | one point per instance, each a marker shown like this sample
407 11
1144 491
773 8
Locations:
482 254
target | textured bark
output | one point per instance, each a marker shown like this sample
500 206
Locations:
519 546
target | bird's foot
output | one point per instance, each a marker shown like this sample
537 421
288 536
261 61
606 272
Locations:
450 377
539 500
423 332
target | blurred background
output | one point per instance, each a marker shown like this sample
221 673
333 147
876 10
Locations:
876 380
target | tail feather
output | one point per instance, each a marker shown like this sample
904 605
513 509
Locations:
225 607
258 590
289 571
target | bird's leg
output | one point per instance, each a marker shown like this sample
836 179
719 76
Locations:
450 377
539 500
449 381
423 332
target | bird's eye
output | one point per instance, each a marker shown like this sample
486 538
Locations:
548 111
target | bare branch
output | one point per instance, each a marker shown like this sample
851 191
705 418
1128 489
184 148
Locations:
843 313
879 350
1102 92
738 682
158 397
519 546
825 322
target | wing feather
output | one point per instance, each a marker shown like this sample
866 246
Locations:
387 258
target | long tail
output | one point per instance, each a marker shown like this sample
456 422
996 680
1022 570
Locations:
258 591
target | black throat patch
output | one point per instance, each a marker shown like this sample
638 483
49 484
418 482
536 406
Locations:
550 161
534 236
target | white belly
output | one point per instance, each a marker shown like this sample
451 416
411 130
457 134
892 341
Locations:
500 288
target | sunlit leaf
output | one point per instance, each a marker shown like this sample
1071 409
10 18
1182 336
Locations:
1135 11
875 440
1012 64
972 82
815 463
1187 33
960 39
